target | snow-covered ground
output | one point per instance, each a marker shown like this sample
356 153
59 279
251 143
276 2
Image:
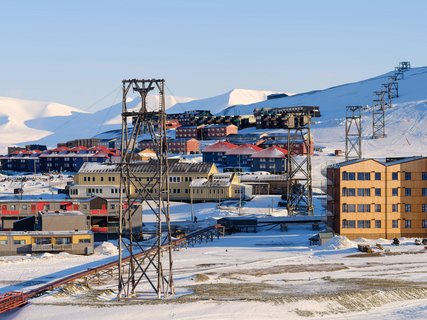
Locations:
34 186
263 275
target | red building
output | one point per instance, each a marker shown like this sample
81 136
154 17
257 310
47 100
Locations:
218 131
185 146
188 132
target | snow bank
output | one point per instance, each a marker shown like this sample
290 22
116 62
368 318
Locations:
339 242
106 249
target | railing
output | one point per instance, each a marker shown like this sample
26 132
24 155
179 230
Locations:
51 247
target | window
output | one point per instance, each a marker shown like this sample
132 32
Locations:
394 176
345 175
348 192
377 208
407 208
64 240
408 192
408 176
424 192
394 192
348 224
351 176
3 242
377 192
424 175
363 176
378 224
349 207
363 208
408 223
424 207
363 224
43 241
93 178
363 192
395 223
394 207
18 242
424 223
84 240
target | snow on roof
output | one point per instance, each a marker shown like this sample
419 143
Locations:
221 146
217 180
384 162
150 167
244 149
272 152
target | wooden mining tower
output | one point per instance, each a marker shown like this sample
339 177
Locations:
299 189
353 133
150 273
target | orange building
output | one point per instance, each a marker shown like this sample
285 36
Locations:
378 199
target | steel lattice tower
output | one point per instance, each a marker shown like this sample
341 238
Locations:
139 266
378 115
353 132
299 188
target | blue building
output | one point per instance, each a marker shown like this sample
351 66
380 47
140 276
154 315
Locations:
241 156
216 152
27 162
272 160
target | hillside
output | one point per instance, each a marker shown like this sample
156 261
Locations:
221 102
23 121
16 114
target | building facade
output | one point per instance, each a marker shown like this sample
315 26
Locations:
182 145
216 152
189 132
217 131
104 179
219 187
20 242
272 160
378 199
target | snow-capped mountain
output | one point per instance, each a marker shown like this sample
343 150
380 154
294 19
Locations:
221 102
24 121
15 114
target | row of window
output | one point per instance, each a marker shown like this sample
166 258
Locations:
41 241
366 192
366 224
110 179
377 175
377 207
360 207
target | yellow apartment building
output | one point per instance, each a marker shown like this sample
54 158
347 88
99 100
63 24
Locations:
378 198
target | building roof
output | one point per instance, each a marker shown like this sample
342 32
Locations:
271 152
62 213
43 233
386 162
244 149
216 180
150 167
209 126
221 146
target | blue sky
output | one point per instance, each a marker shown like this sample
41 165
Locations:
77 52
